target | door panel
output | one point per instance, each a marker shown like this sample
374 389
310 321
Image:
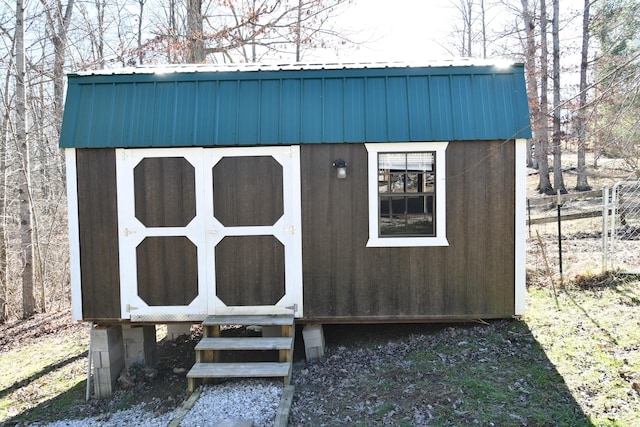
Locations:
247 191
209 231
250 270
161 234
254 227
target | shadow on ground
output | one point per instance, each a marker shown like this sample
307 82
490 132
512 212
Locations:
428 374
391 374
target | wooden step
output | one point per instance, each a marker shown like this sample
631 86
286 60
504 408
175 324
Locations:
245 343
261 320
207 367
242 370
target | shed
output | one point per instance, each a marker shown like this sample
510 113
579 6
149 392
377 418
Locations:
276 194
215 190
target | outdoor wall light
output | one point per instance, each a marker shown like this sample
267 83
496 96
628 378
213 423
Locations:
341 168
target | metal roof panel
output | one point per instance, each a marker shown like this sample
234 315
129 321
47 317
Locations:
277 104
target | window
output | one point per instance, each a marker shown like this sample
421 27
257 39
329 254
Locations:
407 194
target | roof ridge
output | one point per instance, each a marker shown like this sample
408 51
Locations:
266 66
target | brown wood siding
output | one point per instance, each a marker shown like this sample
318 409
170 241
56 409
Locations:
473 277
98 229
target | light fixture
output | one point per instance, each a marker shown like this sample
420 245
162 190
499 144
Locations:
341 168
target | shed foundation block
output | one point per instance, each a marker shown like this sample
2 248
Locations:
140 345
314 344
107 354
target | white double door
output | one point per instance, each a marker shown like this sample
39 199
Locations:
184 253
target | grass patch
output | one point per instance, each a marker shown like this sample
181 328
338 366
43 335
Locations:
593 339
499 376
576 365
48 373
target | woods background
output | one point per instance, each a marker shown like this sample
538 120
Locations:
582 67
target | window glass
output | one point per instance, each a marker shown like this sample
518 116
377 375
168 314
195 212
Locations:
406 194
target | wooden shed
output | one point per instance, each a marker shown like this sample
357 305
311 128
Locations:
345 193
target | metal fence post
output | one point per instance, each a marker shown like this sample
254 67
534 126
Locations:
614 215
605 230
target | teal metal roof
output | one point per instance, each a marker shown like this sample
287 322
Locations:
270 105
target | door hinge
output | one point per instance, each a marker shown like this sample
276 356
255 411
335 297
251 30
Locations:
130 308
128 232
291 229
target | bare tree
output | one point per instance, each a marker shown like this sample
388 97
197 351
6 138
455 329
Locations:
473 14
483 19
4 314
582 183
28 294
141 4
544 185
58 20
95 29
617 29
531 72
465 34
558 181
197 52
250 30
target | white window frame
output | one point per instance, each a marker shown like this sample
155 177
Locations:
440 238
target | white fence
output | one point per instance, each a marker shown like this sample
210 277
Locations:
621 227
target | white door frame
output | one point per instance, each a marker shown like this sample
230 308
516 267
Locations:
205 232
287 229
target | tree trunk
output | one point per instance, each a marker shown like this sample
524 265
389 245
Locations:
469 22
582 183
544 185
59 38
532 84
197 52
298 38
140 51
4 314
558 181
28 295
98 39
484 29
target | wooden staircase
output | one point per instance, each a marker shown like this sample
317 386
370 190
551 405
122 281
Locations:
210 366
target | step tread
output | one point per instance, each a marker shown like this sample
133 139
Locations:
245 370
263 320
245 343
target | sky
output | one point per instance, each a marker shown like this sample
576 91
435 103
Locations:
414 30
396 30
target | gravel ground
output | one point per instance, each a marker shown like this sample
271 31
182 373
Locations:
257 400
136 416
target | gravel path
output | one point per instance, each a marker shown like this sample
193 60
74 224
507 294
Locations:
242 399
255 400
